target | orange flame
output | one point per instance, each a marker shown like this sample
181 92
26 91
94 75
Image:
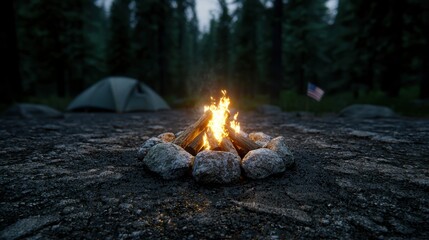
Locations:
234 124
220 116
206 143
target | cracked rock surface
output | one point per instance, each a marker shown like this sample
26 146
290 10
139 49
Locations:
79 178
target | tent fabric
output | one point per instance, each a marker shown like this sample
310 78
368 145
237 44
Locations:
119 94
28 110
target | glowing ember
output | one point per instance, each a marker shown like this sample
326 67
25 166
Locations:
220 116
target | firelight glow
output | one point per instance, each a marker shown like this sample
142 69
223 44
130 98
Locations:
217 124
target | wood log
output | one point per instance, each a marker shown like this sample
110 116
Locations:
196 145
214 144
191 132
240 151
226 145
242 142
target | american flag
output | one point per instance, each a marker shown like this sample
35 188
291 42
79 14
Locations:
314 92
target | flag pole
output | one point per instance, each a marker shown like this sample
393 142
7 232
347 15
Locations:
306 99
314 92
306 104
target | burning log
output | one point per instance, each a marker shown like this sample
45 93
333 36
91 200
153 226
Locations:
214 144
193 130
242 142
227 146
196 145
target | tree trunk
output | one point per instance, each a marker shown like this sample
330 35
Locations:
182 64
60 78
424 80
391 81
162 66
12 89
277 52
75 80
424 84
301 78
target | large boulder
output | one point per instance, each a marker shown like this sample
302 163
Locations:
168 160
216 167
367 111
278 145
267 109
261 163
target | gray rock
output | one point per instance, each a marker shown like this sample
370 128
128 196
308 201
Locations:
367 111
146 146
278 145
269 109
260 138
216 167
261 163
168 160
27 226
167 137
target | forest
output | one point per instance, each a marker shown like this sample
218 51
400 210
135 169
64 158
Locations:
261 51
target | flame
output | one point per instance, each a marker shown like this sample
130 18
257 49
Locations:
220 116
234 124
206 143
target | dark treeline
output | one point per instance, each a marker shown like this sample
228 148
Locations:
261 47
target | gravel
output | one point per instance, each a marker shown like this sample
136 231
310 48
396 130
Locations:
79 178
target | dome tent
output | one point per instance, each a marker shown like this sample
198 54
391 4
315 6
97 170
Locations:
119 94
29 110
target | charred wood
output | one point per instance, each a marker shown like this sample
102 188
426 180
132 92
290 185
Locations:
191 132
196 145
226 145
242 142
214 144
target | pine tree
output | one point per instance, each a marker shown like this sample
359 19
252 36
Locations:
305 29
12 82
248 51
277 51
58 45
151 40
119 56
222 46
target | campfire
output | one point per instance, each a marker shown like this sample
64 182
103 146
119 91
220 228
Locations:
216 149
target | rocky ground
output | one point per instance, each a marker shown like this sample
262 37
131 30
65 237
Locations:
78 177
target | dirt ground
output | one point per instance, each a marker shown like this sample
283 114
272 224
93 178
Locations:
79 177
